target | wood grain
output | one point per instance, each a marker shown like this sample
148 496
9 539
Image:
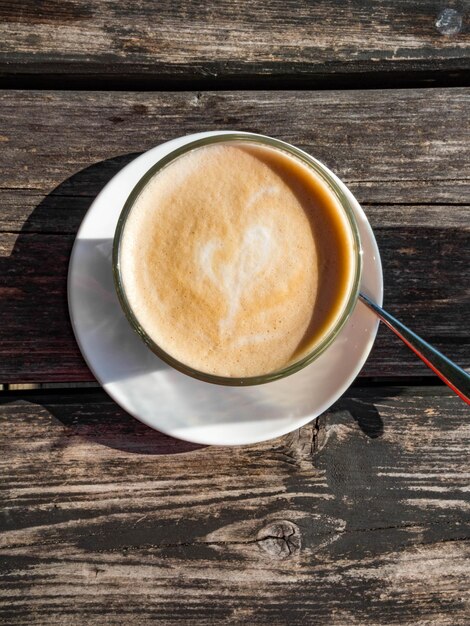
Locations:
231 40
390 146
363 518
404 154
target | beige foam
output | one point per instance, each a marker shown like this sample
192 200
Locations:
236 259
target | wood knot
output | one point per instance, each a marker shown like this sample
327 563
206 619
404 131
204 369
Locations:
449 22
279 539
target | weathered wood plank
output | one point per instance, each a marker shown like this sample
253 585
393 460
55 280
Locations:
185 41
364 518
391 146
404 153
37 344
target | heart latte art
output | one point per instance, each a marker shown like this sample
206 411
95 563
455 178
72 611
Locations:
239 275
236 259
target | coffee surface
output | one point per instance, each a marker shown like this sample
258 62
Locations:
236 259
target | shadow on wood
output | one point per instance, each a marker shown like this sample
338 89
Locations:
366 415
85 415
90 414
35 330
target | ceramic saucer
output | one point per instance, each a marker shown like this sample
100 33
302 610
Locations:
174 403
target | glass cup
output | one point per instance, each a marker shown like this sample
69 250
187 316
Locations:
320 170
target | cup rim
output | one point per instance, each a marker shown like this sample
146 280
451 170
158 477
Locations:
325 175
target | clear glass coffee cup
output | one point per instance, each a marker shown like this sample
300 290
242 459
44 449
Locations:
343 204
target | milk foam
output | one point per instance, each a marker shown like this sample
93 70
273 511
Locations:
241 272
235 259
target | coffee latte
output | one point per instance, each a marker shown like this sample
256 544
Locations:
236 259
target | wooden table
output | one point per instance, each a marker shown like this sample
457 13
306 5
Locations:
360 518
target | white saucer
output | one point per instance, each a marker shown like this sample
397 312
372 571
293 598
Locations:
174 403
